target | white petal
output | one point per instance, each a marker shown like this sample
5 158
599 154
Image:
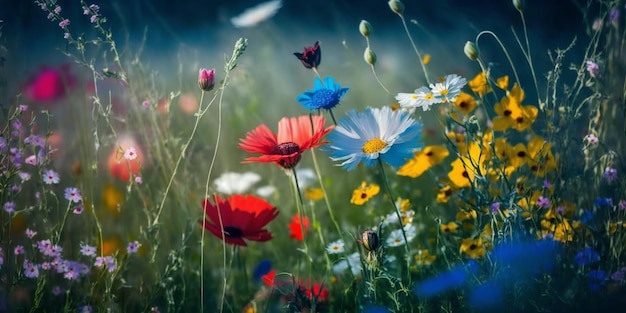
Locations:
257 14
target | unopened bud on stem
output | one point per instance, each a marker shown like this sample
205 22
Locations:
518 4
365 28
471 51
206 79
369 56
396 6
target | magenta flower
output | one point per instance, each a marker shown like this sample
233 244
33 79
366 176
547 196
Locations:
30 233
206 79
593 68
64 23
543 202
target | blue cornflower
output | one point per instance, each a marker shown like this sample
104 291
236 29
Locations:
603 201
586 257
597 278
376 133
323 96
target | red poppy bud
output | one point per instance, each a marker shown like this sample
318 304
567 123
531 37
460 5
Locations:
312 56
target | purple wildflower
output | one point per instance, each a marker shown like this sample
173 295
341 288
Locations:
18 250
133 246
593 68
495 207
9 207
31 270
57 9
64 23
50 177
79 209
543 202
30 233
87 250
610 174
614 15
73 194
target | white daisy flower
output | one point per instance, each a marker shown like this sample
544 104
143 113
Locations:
236 183
407 99
396 238
449 89
353 262
422 98
336 247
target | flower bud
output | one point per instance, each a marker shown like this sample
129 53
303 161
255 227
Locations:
396 6
365 28
518 4
370 240
369 56
206 79
471 51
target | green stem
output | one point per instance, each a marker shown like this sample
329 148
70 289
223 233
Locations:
406 29
397 210
506 52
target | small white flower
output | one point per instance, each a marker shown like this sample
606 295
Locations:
449 89
130 153
336 247
236 183
266 191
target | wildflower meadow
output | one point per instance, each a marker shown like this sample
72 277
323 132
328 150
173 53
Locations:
489 177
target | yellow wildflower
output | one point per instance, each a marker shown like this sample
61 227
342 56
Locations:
444 194
479 85
364 193
473 248
423 160
464 169
313 194
465 103
503 82
450 228
424 258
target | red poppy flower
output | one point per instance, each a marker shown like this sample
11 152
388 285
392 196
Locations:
299 227
242 217
268 278
49 85
285 148
311 57
318 292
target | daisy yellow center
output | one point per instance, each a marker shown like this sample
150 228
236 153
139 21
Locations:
374 146
428 96
444 92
